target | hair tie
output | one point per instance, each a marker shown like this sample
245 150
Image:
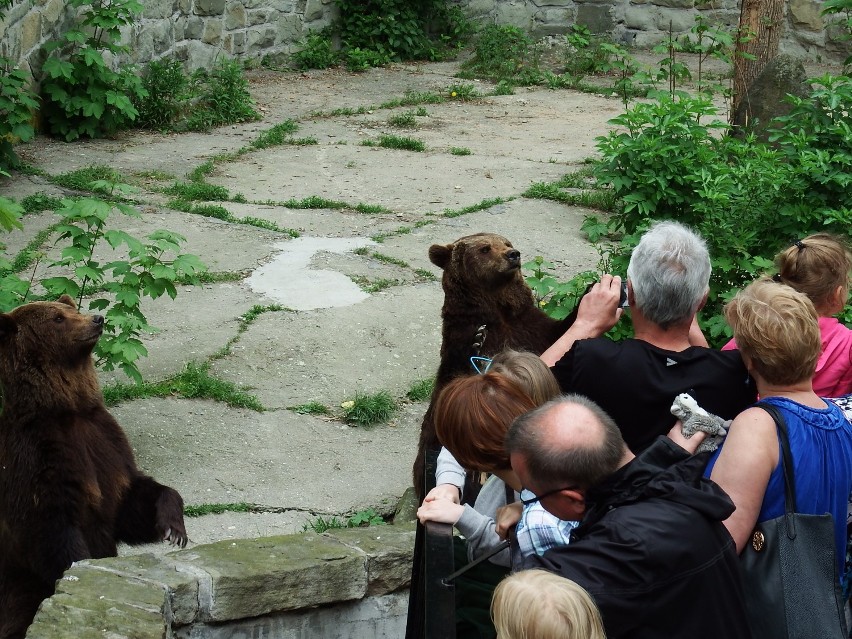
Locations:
799 244
480 364
777 278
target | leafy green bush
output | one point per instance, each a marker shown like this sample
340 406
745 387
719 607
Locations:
17 106
504 52
358 59
585 54
748 199
82 95
151 268
653 161
167 88
380 31
317 53
221 97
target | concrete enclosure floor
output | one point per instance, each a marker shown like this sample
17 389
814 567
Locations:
333 339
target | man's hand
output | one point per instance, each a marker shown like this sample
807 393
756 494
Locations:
507 517
440 510
598 312
444 491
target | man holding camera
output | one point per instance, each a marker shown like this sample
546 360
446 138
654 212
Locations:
635 381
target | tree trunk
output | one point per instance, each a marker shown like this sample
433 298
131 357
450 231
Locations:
761 24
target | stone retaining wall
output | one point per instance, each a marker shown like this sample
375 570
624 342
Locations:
197 31
348 583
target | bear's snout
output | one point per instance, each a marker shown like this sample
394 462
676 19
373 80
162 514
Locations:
98 320
514 257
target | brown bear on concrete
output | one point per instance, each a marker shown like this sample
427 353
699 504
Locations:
483 285
69 485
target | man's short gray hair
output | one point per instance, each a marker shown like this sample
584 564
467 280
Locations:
552 465
669 271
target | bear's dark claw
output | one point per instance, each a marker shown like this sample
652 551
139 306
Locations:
479 338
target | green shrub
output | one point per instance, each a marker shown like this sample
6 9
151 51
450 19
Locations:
380 31
747 199
358 59
398 142
585 54
167 88
318 52
17 107
151 268
222 97
82 95
504 52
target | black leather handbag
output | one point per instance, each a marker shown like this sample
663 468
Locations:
789 567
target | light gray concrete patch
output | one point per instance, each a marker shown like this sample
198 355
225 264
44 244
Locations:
289 280
386 342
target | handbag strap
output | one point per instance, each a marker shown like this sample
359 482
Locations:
786 465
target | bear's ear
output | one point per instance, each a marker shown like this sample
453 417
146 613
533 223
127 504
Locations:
66 299
8 326
440 254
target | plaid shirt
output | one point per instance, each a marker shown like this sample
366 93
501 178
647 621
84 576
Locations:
537 532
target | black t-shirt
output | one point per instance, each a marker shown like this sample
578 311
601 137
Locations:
636 383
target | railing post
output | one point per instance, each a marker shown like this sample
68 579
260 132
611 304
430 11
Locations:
431 605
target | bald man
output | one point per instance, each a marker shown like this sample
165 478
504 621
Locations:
651 548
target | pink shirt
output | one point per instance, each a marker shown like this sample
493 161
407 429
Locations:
833 376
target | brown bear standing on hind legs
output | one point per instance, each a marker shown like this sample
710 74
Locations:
69 485
483 285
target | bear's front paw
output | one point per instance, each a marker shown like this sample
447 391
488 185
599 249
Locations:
176 536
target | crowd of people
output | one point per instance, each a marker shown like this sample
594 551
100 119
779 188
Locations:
618 527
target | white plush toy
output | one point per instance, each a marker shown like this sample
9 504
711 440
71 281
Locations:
693 418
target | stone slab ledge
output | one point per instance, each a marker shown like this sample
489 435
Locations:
145 596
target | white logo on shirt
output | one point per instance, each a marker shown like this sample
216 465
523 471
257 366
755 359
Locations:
670 362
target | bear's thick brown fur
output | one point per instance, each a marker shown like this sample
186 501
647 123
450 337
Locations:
69 485
483 284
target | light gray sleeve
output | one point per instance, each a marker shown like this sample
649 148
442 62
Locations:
448 470
478 526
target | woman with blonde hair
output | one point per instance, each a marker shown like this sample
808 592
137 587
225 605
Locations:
779 337
536 604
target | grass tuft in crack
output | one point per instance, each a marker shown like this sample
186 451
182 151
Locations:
367 409
194 382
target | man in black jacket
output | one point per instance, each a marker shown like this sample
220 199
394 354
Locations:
651 548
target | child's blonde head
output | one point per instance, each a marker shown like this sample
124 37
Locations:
536 604
529 372
817 266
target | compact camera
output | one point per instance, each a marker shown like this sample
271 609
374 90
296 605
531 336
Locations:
622 302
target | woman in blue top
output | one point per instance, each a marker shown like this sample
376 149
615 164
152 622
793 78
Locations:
778 335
